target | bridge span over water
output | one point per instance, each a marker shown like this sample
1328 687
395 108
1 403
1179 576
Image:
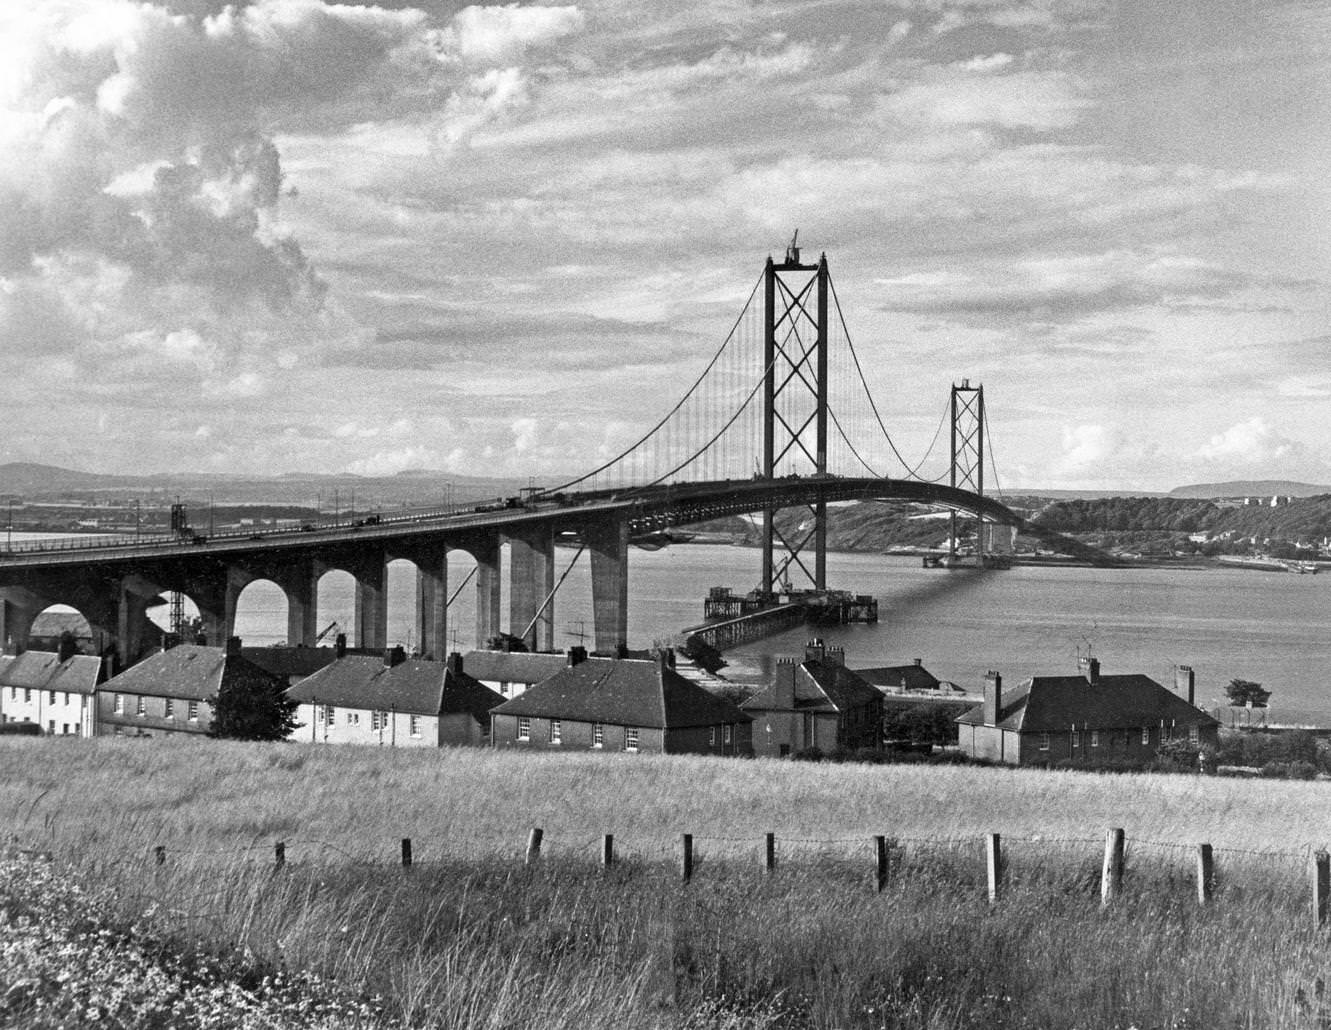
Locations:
112 584
782 416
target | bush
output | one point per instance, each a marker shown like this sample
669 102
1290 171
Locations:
808 754
1301 771
1274 771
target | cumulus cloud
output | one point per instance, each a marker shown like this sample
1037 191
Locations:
1252 442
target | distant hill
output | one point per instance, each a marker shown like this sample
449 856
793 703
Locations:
1250 488
426 486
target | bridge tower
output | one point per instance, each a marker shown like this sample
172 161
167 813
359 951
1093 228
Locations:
794 412
967 468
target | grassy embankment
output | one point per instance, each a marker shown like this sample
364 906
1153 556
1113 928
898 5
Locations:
468 938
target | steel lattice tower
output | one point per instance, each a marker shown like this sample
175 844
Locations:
794 407
967 468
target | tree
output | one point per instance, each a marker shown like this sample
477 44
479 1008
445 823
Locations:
251 705
1246 694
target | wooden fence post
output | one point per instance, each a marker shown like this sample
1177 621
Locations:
159 854
993 864
1111 877
608 850
1321 887
406 852
769 853
279 854
880 863
1205 874
686 858
533 845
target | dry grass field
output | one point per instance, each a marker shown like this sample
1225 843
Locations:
469 937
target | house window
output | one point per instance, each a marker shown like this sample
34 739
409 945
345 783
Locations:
64 730
119 704
415 725
598 735
140 706
1146 734
353 718
329 716
1076 738
1194 734
1166 735
50 727
711 736
52 699
727 733
630 738
524 728
556 731
376 720
27 695
1044 741
170 708
1095 738
194 711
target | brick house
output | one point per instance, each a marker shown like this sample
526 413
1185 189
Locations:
816 702
622 704
393 701
1091 719
512 672
169 692
53 689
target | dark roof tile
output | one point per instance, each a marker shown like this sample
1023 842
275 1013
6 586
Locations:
623 692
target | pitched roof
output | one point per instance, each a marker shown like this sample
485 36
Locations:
1055 703
907 677
820 686
623 692
43 670
191 672
513 666
290 661
413 686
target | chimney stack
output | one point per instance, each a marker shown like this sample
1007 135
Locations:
394 656
919 662
993 698
454 662
814 651
233 645
67 648
577 654
835 656
340 645
1185 682
1090 668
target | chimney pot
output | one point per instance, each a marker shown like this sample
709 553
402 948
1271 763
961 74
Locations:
919 662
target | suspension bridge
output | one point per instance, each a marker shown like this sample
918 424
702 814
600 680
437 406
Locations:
781 417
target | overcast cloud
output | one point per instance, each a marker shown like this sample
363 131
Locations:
291 234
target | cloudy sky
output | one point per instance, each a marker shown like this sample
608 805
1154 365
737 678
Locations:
297 235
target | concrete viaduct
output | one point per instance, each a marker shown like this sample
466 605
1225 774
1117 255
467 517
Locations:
113 584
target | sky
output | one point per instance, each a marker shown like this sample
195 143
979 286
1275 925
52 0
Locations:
291 235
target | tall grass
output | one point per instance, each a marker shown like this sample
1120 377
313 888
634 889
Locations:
469 937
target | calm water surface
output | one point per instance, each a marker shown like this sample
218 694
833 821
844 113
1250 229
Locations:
1226 623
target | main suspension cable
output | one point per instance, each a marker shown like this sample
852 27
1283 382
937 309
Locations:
648 435
860 371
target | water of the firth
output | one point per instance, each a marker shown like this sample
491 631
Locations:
1226 623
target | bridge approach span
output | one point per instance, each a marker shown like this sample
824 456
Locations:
112 584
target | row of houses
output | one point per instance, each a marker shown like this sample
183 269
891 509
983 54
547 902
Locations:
581 702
